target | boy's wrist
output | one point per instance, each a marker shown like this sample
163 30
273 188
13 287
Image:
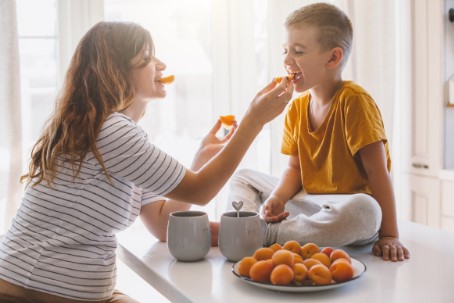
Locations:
384 236
279 199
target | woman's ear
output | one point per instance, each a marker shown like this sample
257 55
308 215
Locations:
335 58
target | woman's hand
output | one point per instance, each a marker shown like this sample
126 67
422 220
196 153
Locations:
273 210
269 102
211 145
215 163
390 248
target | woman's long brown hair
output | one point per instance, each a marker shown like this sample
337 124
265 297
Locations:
97 84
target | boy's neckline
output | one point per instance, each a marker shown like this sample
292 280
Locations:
313 126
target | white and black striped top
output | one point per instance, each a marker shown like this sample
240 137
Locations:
62 240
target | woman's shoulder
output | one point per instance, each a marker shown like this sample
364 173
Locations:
118 124
118 118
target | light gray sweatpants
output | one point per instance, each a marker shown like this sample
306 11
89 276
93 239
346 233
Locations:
328 220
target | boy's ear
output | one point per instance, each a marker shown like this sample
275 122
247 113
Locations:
336 57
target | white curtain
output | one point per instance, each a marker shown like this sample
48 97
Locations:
375 52
10 114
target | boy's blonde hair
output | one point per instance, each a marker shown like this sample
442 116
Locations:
335 28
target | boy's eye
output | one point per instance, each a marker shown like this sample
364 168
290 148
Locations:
297 51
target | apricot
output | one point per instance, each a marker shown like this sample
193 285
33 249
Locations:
339 254
327 250
323 258
297 258
276 247
320 274
261 271
263 253
283 257
227 120
167 80
244 266
300 271
308 249
279 79
311 262
293 246
282 275
341 270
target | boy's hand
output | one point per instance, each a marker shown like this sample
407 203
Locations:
273 210
390 248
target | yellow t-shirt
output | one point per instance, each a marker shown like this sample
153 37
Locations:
328 156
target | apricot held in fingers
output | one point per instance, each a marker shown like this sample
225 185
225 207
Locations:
227 120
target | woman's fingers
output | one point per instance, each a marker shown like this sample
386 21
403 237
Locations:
216 127
230 133
267 88
275 89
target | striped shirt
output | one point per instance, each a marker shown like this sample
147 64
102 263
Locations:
62 240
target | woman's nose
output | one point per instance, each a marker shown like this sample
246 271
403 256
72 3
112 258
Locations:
161 65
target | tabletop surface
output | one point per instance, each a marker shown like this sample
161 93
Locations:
426 277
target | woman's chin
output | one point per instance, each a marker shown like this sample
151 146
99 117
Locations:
161 94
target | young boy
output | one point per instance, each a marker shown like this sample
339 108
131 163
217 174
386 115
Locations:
337 188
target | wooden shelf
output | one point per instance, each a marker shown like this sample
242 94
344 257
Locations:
450 105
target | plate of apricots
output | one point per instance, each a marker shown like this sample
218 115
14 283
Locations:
298 268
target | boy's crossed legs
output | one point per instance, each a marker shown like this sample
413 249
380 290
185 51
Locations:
328 220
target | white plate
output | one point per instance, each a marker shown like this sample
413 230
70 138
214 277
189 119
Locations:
358 267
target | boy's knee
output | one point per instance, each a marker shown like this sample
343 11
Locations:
365 202
367 209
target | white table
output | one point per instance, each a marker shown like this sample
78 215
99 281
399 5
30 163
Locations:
427 277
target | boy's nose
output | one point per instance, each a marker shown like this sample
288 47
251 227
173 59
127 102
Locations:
288 61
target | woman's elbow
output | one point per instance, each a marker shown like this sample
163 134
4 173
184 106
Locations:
205 199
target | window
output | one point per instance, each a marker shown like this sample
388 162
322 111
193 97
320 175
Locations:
218 53
38 70
37 23
206 50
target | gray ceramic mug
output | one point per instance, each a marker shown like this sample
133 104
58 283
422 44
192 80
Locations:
240 236
188 235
